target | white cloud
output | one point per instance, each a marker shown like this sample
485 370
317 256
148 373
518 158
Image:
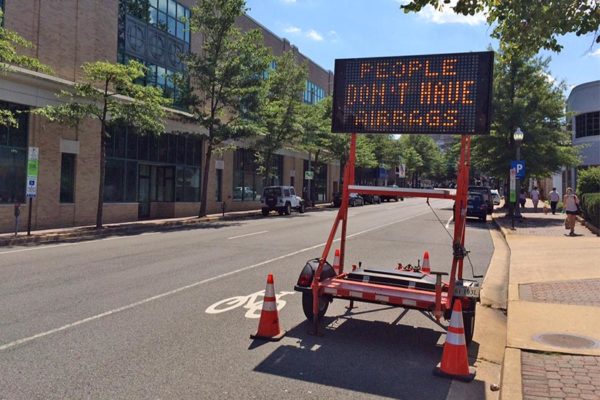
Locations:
447 16
314 35
595 53
289 1
293 30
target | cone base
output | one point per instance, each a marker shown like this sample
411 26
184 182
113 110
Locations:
275 338
465 378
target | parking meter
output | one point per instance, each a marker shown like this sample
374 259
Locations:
17 213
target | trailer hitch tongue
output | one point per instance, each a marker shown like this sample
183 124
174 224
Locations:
438 294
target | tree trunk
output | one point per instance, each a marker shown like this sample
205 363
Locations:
205 174
102 173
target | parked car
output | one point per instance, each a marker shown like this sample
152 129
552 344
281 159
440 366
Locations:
371 198
391 197
487 196
282 199
476 205
496 197
355 200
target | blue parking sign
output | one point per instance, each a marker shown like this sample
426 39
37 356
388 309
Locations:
519 166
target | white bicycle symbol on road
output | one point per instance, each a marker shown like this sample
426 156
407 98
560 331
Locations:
253 303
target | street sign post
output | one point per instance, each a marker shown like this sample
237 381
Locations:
401 171
519 167
32 179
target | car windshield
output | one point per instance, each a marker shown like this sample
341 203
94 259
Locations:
272 191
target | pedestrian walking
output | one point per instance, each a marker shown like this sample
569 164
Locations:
535 197
571 205
522 199
554 198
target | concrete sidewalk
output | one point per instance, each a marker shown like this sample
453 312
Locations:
553 333
126 228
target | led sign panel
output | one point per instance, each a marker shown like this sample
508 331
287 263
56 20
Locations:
441 94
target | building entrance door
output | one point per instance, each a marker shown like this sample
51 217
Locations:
144 191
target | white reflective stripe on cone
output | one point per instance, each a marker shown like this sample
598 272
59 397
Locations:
269 306
270 292
455 339
456 320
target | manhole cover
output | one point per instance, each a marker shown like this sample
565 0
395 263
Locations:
566 340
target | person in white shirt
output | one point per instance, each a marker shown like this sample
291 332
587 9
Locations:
571 205
554 198
535 197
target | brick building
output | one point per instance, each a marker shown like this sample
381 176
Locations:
146 176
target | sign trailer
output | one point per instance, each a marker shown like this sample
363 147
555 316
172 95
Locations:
441 94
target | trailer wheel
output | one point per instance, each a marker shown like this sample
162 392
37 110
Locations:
307 305
469 322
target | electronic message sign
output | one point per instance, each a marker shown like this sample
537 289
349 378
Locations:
440 94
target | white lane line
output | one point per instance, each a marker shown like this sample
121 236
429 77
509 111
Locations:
448 223
9 345
248 234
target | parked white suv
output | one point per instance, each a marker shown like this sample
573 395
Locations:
282 199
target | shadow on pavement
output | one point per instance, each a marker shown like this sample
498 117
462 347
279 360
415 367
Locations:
373 357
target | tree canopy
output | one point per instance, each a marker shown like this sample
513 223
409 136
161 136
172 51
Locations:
524 24
109 94
10 42
525 98
228 72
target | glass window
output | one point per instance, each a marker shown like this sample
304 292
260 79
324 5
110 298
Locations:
172 9
587 124
67 178
131 181
162 5
13 156
114 180
192 184
219 194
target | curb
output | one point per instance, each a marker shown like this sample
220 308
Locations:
511 380
83 234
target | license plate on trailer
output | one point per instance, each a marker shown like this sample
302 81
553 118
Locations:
467 291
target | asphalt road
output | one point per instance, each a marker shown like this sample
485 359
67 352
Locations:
167 315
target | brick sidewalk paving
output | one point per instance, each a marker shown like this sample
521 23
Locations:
585 292
551 376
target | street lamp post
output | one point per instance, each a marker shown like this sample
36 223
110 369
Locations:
518 138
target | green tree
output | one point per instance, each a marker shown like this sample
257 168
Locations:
228 72
422 156
588 181
525 98
98 97
528 25
281 112
10 42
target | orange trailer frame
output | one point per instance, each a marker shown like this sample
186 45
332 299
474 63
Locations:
439 302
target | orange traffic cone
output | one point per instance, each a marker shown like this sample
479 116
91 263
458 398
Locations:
268 326
426 268
455 364
336 262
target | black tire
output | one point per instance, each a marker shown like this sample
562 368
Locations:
265 212
301 208
307 305
469 323
288 209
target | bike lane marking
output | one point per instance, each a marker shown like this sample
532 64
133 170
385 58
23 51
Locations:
105 314
253 303
247 234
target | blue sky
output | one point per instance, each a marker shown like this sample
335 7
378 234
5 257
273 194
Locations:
325 30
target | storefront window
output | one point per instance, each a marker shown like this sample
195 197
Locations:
171 162
319 183
13 156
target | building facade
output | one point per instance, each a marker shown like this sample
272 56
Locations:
146 176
